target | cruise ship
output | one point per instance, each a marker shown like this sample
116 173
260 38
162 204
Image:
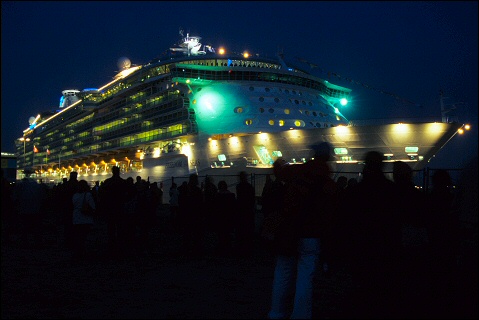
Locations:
200 109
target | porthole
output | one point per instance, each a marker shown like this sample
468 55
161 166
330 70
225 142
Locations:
307 112
261 110
303 102
276 100
310 103
251 89
315 114
261 99
249 122
194 101
271 122
299 123
296 101
286 111
238 110
266 89
281 123
318 124
270 110
199 89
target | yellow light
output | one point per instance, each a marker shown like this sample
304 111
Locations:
221 51
460 131
246 54
467 127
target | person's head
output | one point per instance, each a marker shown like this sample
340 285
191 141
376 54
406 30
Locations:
129 180
115 170
342 182
73 176
222 186
373 162
278 166
322 151
402 172
243 176
83 186
138 179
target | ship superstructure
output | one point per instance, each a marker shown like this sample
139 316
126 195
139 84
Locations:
199 109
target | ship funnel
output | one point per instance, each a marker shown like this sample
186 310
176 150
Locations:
69 97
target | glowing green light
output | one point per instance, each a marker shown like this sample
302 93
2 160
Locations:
343 101
336 110
340 151
411 149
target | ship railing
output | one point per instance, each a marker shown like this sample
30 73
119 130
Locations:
372 122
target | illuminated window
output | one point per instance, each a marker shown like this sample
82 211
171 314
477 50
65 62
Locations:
411 149
340 151
194 101
249 122
286 111
238 110
271 122
299 123
281 123
221 157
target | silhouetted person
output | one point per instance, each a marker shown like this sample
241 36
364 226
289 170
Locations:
113 197
267 196
194 217
413 216
28 197
209 193
67 190
443 227
245 215
81 223
131 216
174 205
223 215
375 240
309 200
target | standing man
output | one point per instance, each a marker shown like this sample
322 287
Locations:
245 222
112 194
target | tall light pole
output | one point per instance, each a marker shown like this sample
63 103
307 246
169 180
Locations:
24 143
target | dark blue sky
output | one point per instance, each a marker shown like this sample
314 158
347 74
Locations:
410 50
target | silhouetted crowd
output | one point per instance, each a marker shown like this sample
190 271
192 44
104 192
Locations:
402 246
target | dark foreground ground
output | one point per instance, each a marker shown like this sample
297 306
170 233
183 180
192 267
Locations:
44 283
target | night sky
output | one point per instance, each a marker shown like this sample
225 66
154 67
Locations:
395 56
